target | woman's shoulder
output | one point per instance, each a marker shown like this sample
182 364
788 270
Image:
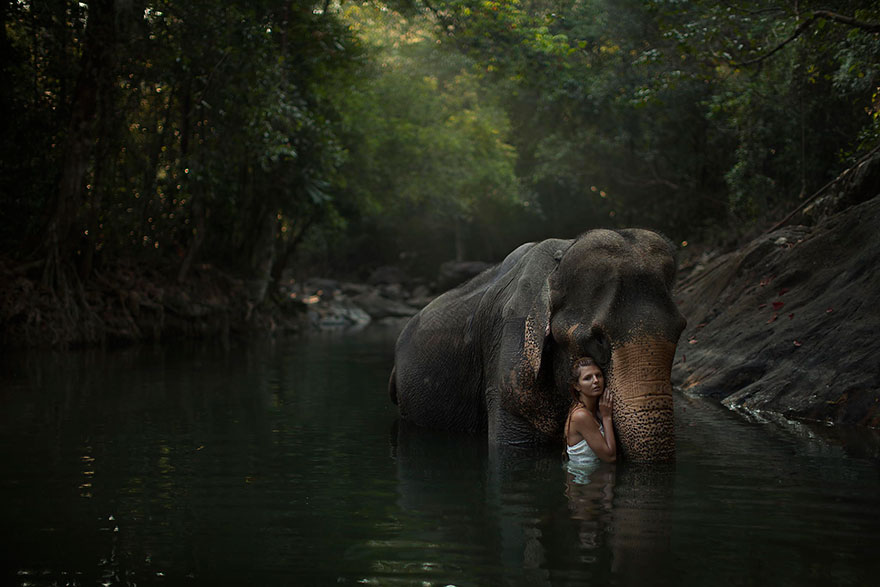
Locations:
581 417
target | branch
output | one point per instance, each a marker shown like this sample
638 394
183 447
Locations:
821 190
848 21
817 14
797 32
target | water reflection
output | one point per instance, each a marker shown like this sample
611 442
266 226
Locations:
590 492
521 515
273 465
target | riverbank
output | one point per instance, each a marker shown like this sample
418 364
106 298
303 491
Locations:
126 303
788 323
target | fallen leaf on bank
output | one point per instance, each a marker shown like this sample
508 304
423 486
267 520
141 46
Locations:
762 306
692 341
765 281
797 343
773 318
790 316
829 310
778 305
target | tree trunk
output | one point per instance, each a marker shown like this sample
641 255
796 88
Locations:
287 248
95 75
198 237
459 238
263 256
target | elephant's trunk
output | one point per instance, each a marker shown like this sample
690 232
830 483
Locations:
641 388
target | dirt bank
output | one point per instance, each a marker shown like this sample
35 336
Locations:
129 303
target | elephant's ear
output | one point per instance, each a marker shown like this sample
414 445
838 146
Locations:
525 329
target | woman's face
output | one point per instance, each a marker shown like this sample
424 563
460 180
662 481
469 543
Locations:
590 381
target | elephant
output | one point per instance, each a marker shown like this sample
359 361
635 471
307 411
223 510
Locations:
494 355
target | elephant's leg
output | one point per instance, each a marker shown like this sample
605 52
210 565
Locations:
508 428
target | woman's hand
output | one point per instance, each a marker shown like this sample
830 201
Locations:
605 405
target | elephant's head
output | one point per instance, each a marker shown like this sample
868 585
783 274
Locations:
609 297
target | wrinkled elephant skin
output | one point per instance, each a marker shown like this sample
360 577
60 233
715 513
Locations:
495 354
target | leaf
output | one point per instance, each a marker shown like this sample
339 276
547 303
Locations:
778 305
829 310
797 343
790 316
773 319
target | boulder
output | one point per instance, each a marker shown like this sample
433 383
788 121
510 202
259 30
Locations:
387 274
354 289
379 307
454 273
393 291
789 323
326 288
335 315
420 297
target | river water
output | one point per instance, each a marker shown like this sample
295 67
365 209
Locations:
283 464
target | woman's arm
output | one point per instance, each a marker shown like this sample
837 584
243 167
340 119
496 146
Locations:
586 426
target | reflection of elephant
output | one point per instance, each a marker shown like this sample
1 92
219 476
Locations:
495 354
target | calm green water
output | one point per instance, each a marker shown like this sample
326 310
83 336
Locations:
282 464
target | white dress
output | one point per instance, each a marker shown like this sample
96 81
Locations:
581 454
582 460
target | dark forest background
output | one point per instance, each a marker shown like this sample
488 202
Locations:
333 137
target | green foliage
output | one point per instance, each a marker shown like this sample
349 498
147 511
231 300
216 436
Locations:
241 132
789 88
427 145
686 115
216 116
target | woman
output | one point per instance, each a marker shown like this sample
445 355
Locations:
589 431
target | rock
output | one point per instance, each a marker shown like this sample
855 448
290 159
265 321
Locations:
387 274
392 323
421 291
393 291
333 315
421 297
354 289
379 307
454 273
325 288
789 323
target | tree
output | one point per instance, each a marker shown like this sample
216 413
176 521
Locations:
427 143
